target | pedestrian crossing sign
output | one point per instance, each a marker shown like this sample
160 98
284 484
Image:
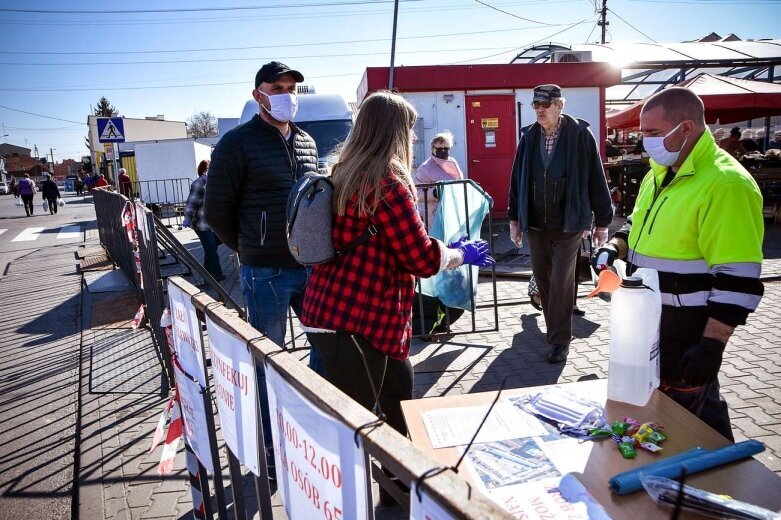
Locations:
111 130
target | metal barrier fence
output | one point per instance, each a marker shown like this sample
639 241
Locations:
154 298
147 277
108 210
165 197
427 192
382 444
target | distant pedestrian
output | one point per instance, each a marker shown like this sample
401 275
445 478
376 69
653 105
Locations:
78 185
732 144
194 218
101 182
13 187
27 191
89 182
50 193
125 184
775 142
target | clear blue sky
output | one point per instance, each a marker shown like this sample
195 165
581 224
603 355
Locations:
58 63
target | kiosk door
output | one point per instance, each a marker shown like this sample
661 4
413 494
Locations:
491 134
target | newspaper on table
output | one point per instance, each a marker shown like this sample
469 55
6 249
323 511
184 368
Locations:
522 463
448 427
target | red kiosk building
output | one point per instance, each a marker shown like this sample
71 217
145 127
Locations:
484 106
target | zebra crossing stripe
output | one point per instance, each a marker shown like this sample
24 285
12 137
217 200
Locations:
3 231
30 233
69 233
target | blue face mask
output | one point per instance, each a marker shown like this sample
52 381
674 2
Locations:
659 152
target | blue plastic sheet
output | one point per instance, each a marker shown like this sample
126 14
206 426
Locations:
462 205
693 461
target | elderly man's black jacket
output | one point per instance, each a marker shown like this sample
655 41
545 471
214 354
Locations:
587 197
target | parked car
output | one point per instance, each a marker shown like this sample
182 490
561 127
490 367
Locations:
4 189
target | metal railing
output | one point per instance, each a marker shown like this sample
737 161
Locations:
108 211
153 239
427 192
165 197
382 444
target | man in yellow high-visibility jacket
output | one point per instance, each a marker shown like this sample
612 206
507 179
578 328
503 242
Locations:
698 222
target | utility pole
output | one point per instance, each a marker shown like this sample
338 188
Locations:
603 20
51 152
393 43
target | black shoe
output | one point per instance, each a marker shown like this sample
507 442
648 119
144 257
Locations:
577 311
536 301
558 353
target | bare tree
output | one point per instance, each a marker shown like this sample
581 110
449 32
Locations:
202 124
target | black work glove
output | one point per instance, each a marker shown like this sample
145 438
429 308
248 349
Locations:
700 364
609 254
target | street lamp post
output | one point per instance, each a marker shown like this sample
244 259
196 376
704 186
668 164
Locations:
393 45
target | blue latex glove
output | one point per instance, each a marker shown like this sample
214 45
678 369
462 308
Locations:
458 243
186 223
476 253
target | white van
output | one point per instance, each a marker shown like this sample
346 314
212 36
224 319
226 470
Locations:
326 117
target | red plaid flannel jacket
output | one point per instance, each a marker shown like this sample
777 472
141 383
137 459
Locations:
370 290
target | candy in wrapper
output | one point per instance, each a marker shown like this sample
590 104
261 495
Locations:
599 432
619 427
633 426
656 437
627 450
650 446
643 432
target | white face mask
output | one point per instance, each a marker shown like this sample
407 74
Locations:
659 152
283 106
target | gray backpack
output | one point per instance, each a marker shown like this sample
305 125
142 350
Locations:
310 221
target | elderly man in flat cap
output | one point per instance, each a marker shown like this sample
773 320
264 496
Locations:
558 190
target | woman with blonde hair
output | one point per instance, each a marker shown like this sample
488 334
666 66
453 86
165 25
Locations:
358 307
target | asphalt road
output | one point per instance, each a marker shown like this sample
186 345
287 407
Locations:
40 338
21 235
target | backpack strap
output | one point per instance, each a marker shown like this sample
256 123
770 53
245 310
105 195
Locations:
370 232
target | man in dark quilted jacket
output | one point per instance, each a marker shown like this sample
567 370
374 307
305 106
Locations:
253 167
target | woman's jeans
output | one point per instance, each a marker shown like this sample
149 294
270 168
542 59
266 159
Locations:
211 259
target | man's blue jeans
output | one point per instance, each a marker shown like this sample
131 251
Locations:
211 259
269 291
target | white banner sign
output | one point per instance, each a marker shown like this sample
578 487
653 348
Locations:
425 507
186 333
194 415
320 471
233 369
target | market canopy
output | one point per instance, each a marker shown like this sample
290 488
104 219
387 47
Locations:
727 100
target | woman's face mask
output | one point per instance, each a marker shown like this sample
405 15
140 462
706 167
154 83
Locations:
441 152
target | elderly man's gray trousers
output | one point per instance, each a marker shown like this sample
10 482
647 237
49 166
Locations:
554 254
